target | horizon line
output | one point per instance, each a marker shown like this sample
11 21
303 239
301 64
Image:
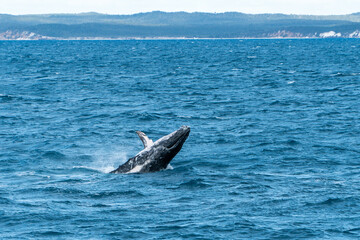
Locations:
189 12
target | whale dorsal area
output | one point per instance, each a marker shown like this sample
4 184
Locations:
145 140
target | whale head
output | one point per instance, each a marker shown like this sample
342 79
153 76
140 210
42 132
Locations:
172 143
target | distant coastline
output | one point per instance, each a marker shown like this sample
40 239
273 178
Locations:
177 25
164 38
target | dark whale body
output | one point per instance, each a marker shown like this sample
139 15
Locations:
156 155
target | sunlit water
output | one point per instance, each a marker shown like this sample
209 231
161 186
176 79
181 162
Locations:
274 151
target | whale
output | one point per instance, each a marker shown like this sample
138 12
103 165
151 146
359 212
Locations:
157 155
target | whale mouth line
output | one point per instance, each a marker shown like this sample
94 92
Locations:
180 140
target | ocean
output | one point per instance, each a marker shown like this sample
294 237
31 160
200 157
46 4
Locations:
273 153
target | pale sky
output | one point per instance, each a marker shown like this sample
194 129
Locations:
319 7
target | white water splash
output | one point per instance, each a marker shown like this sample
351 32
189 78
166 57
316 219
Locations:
106 160
109 161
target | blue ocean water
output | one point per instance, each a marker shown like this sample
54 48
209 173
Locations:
273 153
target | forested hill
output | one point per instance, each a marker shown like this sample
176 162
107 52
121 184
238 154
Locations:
176 25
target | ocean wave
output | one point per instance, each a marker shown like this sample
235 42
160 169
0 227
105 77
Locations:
112 194
54 155
194 184
333 201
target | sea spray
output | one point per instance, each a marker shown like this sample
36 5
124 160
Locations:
106 159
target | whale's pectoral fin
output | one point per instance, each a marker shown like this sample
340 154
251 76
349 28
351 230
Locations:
145 140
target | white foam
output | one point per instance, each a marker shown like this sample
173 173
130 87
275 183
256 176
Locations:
105 169
106 160
27 173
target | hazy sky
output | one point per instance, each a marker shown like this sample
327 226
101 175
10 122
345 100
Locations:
134 6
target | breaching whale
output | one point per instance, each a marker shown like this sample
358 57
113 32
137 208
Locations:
156 155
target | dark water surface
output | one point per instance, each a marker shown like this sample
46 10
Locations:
274 151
